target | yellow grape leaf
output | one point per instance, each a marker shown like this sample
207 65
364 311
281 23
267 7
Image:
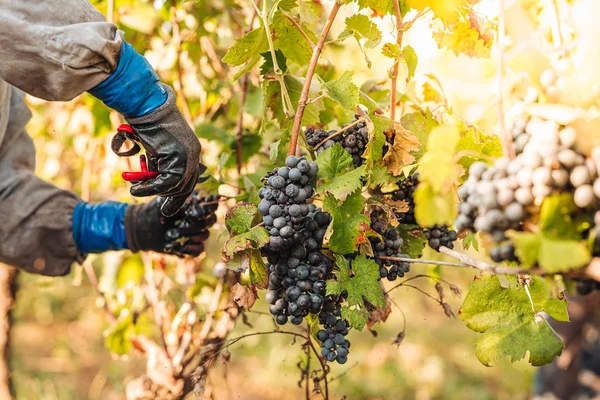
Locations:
398 155
446 10
462 38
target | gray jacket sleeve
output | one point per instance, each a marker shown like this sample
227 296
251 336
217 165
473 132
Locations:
56 49
35 216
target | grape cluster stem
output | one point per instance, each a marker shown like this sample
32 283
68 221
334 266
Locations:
344 129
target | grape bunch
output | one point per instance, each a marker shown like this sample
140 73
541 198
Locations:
334 345
354 140
500 197
390 246
440 235
298 270
196 216
406 192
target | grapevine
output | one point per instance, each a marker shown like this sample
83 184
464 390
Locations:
336 180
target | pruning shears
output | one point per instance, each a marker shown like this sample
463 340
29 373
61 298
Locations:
147 171
148 164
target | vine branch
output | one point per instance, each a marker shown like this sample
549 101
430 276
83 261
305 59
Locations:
309 76
396 67
239 128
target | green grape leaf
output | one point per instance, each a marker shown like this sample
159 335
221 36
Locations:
279 146
556 217
563 255
413 240
345 184
131 270
243 235
391 50
247 49
290 41
343 90
471 240
240 218
363 285
527 247
333 162
268 67
349 227
362 28
552 255
118 337
433 208
313 322
438 165
368 101
410 55
509 325
251 260
379 174
421 123
312 110
461 38
474 145
365 32
259 275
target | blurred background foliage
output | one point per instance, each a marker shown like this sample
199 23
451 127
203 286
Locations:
60 329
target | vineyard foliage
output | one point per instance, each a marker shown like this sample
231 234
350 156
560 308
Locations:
409 172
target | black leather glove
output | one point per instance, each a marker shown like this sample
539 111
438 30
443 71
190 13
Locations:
173 150
182 234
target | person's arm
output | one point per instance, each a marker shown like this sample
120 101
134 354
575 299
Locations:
44 229
57 50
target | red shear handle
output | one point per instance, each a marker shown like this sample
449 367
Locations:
143 175
126 128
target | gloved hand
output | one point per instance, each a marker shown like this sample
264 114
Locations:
115 226
149 106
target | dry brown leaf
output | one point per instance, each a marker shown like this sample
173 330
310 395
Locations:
398 154
379 314
243 296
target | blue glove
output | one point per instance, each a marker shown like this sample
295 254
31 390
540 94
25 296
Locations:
134 88
99 227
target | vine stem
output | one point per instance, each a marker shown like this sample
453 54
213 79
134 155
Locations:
309 76
466 262
324 366
557 31
285 96
507 144
239 128
358 121
394 73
